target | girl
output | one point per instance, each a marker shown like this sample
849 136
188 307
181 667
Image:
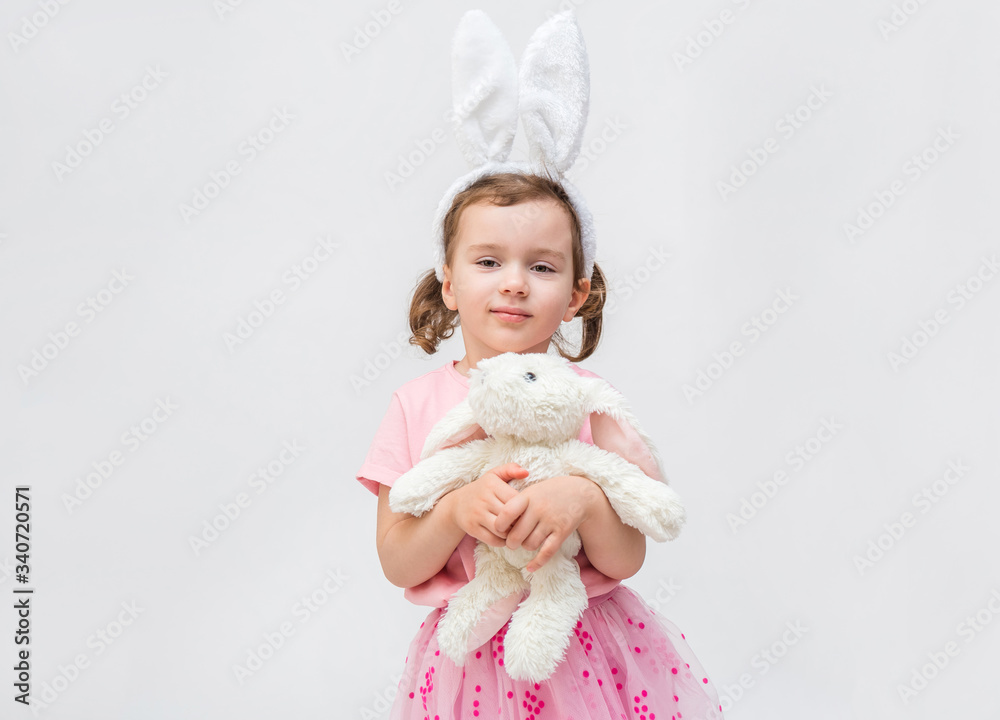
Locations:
513 271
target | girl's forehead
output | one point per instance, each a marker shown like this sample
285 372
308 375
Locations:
543 217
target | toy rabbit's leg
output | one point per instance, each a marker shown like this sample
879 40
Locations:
495 579
540 630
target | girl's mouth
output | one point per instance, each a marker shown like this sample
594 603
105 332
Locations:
510 317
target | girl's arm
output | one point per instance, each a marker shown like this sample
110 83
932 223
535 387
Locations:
414 549
614 548
544 514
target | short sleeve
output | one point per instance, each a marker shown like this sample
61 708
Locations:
622 439
389 453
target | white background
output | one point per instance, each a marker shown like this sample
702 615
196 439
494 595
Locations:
652 183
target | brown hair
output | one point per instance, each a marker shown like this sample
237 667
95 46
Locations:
430 319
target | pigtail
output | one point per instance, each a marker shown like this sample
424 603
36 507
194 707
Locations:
591 315
430 319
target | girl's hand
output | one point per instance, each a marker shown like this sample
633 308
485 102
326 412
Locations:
474 507
544 514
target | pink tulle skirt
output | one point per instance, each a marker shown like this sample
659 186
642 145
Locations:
626 662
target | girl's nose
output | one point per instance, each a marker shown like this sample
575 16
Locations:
514 280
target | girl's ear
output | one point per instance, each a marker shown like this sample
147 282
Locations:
614 428
447 290
581 290
458 426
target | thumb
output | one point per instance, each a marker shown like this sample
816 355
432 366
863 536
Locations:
510 471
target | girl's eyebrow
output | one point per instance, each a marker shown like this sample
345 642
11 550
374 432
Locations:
479 247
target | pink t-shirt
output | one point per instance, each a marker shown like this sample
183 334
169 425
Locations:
414 409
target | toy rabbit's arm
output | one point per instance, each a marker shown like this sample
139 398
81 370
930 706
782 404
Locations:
648 505
418 490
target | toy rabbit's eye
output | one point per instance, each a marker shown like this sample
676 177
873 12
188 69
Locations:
529 376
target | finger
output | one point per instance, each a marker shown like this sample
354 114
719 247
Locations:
508 514
510 471
524 526
492 539
535 539
504 492
547 550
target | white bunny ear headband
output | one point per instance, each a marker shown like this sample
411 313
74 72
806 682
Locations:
551 95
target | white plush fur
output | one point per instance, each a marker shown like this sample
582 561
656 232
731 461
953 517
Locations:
531 407
551 95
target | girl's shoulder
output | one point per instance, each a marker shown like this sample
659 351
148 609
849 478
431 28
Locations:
583 371
427 397
445 377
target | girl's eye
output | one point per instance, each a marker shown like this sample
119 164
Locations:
546 268
480 262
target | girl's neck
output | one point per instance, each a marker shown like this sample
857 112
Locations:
463 366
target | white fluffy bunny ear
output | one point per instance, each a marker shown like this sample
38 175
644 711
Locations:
456 427
615 428
484 90
555 92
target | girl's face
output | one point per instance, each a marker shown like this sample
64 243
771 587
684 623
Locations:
511 278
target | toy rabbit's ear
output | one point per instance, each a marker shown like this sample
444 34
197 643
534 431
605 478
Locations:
554 88
456 427
484 90
614 428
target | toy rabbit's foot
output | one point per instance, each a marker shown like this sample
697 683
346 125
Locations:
666 512
494 581
540 630
452 630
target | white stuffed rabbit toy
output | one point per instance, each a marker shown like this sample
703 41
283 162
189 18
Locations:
532 408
